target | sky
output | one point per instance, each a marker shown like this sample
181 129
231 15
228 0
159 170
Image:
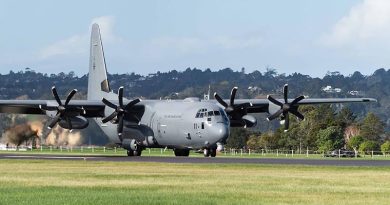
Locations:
305 36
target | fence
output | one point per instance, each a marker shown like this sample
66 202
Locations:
227 152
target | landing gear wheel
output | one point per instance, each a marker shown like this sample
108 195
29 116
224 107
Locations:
206 152
130 153
213 152
182 152
137 152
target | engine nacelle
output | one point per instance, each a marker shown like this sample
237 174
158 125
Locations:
77 122
250 121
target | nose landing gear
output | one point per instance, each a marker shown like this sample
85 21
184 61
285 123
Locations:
210 152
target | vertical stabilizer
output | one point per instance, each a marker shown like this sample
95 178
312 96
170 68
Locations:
98 84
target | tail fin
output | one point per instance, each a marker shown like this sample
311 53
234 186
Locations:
98 84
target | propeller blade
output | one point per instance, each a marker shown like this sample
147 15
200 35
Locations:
298 99
70 96
296 113
54 121
55 94
69 123
274 101
120 125
132 103
219 99
110 117
275 115
233 95
285 93
120 96
286 122
109 104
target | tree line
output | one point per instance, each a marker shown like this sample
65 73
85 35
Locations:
324 129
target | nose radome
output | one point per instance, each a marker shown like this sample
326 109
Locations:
222 131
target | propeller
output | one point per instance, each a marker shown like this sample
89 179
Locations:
286 108
64 112
235 111
119 110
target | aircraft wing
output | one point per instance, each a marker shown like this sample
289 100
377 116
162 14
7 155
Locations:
261 105
92 108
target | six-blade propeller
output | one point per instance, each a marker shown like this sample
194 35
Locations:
286 108
64 111
120 110
235 111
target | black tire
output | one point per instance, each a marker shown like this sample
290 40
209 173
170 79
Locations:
130 153
213 152
206 152
181 152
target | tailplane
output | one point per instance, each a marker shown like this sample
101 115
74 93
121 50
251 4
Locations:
98 85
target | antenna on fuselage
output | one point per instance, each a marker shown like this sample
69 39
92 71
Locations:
207 96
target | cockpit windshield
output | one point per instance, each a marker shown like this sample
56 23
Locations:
205 113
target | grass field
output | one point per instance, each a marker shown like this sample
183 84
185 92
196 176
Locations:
86 151
86 182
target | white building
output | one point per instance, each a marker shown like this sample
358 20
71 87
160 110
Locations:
329 89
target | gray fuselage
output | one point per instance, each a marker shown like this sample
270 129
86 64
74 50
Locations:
184 124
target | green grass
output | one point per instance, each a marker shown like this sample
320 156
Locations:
87 182
168 152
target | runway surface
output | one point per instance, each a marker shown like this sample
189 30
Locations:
197 160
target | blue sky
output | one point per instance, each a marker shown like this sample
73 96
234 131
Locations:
310 37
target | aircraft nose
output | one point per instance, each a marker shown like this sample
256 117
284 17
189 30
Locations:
222 131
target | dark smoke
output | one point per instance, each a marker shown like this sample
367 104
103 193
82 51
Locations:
19 134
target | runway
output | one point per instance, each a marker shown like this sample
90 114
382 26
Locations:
203 160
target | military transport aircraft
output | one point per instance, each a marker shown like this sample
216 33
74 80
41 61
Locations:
181 125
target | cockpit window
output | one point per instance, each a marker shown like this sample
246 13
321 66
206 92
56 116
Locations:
204 113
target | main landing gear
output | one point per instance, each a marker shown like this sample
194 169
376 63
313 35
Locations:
182 152
210 152
136 152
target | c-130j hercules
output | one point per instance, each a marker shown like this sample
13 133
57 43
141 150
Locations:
181 125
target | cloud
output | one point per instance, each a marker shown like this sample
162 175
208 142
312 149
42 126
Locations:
74 45
106 25
78 43
367 22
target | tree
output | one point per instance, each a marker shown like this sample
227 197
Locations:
345 117
355 142
385 147
238 138
330 138
368 146
372 127
253 142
